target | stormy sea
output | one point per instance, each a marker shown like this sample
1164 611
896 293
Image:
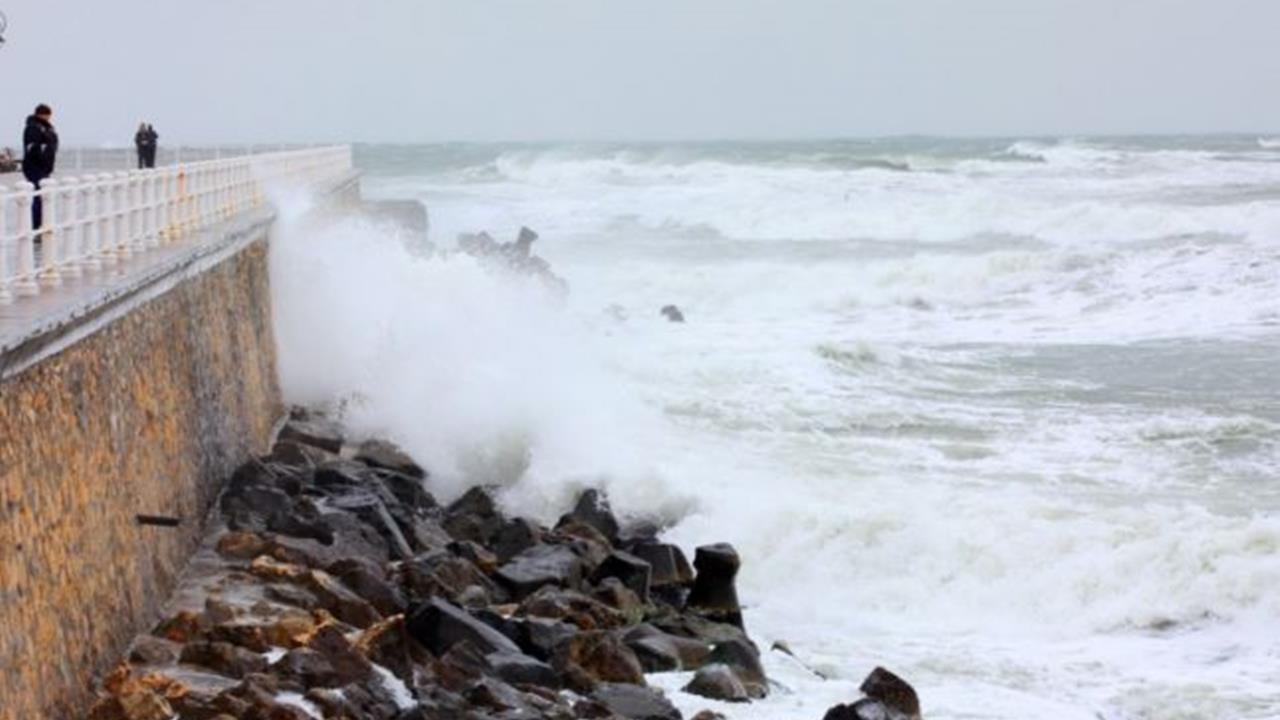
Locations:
1001 415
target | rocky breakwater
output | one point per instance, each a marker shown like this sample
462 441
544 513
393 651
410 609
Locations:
334 585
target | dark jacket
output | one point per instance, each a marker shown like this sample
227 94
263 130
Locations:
146 137
39 148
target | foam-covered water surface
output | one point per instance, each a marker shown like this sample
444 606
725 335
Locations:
1001 415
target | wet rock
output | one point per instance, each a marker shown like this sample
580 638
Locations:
474 516
708 715
306 668
514 537
539 566
371 509
439 624
247 634
572 607
635 703
632 571
329 593
242 545
864 709
297 455
440 573
662 652
388 644
385 455
223 658
714 595
743 659
670 573
587 542
600 656
408 490
699 628
369 582
717 682
539 637
151 650
520 669
219 611
291 595
894 692
613 593
672 314
461 666
427 534
347 661
316 432
593 509
476 554
291 629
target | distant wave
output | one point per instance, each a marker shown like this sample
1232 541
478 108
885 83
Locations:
1269 143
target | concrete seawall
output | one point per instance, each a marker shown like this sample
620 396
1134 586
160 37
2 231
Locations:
140 402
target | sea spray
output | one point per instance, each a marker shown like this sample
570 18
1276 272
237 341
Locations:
479 373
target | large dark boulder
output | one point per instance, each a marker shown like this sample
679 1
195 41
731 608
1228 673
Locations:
670 573
513 537
474 516
634 572
894 692
717 682
439 624
714 595
742 658
635 703
540 566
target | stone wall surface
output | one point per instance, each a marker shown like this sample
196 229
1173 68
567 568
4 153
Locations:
147 414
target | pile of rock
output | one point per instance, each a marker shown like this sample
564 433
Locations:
513 256
334 585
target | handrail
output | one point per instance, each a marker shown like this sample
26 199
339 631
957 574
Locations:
93 221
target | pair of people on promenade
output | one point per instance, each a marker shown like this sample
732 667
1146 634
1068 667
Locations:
146 141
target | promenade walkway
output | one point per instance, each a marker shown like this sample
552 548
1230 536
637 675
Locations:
109 234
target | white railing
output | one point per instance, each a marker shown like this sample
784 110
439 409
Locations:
95 221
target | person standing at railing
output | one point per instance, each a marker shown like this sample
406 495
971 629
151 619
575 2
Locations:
146 141
39 151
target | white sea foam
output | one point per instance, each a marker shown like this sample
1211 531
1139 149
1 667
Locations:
1007 427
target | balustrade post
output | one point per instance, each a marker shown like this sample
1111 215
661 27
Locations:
92 224
166 204
49 234
6 295
25 283
73 231
120 214
153 208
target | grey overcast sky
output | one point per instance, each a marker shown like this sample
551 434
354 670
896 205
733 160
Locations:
433 70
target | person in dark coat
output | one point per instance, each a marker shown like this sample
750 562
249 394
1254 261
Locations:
39 151
153 144
145 141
